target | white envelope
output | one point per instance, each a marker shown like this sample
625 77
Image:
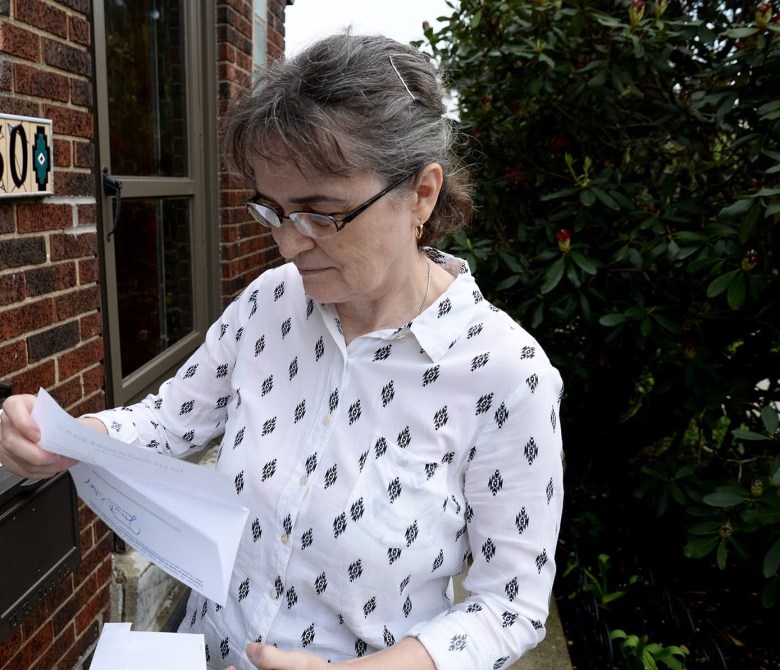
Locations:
119 648
183 517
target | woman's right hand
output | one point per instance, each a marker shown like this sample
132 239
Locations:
19 437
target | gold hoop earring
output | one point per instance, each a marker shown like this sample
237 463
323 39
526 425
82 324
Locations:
418 232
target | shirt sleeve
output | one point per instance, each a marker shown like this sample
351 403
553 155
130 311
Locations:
191 408
514 493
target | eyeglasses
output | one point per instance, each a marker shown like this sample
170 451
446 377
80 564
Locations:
318 226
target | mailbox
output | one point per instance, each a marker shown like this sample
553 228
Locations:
39 542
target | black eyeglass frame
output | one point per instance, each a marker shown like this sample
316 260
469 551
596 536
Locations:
338 224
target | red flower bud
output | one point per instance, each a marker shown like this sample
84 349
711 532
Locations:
763 14
660 8
635 12
750 260
515 176
563 238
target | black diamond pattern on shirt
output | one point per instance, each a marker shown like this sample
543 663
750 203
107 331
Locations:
339 525
186 407
500 662
360 648
257 531
495 483
469 513
488 550
260 345
222 402
388 393
431 375
269 470
319 349
508 619
362 460
239 482
357 509
239 438
439 561
521 521
293 369
355 570
306 539
501 415
190 371
311 463
300 411
239 334
307 637
243 589
286 327
444 307
553 419
222 330
484 403
222 370
430 469
388 637
411 534
474 331
224 647
333 402
404 438
407 608
480 361
331 475
531 451
267 386
458 642
394 489
369 606
511 589
527 352
309 308
393 554
292 597
204 609
320 584
269 426
541 559
549 490
279 586
440 418
533 382
287 524
278 291
354 412
537 624
474 607
383 353
448 457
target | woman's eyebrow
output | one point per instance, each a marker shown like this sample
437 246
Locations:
314 198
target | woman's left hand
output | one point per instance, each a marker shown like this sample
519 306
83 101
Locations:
268 657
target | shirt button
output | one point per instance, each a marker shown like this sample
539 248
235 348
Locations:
304 480
284 538
327 419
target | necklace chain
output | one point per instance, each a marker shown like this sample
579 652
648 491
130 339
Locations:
427 290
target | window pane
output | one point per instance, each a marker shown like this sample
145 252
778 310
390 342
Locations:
146 89
154 282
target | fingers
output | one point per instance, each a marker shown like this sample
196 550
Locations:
19 436
268 657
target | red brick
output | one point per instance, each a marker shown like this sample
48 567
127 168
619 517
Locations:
59 647
33 647
30 316
93 380
75 303
39 216
7 224
12 288
94 403
68 393
66 57
50 278
68 121
91 326
68 182
40 83
79 30
87 215
73 362
85 154
86 539
33 378
10 646
89 271
100 602
84 643
20 251
6 76
13 357
78 245
44 16
62 153
21 106
16 41
81 92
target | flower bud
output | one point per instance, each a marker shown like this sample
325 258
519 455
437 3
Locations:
563 238
763 14
749 261
756 488
660 8
636 11
725 529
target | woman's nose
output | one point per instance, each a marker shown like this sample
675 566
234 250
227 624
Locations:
290 240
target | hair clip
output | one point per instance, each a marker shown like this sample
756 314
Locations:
402 79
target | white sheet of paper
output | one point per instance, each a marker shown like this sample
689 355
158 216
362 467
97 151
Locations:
183 517
119 648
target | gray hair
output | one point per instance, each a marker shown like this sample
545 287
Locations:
352 103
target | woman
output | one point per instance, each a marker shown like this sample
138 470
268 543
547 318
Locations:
382 421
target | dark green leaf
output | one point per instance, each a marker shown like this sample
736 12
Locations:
770 419
736 291
724 499
553 275
584 262
771 561
735 209
720 284
587 197
742 434
611 320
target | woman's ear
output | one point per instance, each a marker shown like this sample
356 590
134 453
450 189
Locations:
429 183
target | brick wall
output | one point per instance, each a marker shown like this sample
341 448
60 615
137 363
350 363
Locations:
50 324
246 247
